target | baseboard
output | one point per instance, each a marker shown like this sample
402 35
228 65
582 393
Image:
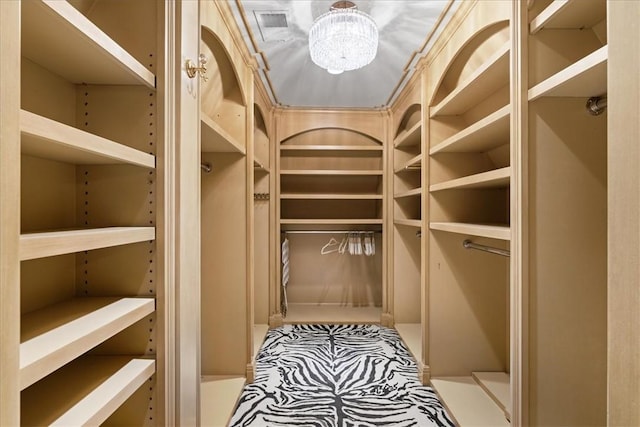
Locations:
424 373
386 320
250 373
275 320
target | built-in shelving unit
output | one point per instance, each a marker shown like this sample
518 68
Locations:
469 198
567 169
89 119
409 137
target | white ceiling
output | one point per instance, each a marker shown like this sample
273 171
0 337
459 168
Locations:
296 81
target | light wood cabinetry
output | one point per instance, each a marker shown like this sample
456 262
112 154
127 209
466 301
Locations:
468 103
331 179
567 152
90 300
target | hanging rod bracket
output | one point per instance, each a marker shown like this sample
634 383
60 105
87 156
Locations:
596 105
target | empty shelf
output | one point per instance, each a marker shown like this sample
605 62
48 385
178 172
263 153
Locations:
411 136
583 79
409 193
328 313
488 78
327 196
219 395
319 221
346 148
468 403
569 14
408 222
258 166
259 334
490 132
411 334
413 164
331 172
217 140
55 335
498 386
40 245
84 392
493 179
46 138
61 39
500 232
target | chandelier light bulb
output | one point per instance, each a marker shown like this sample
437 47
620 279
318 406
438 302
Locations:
343 39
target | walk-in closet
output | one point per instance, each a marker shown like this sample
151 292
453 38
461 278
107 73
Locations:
201 224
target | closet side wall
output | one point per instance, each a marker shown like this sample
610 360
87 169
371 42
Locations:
623 215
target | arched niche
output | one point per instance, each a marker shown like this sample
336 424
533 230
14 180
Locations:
260 137
411 117
222 97
331 136
469 57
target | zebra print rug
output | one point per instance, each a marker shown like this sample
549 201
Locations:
337 376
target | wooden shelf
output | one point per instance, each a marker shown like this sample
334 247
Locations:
488 78
468 403
411 334
40 245
257 166
498 178
59 38
414 164
259 334
335 196
331 313
583 79
498 386
219 396
408 222
331 172
490 132
318 221
46 138
569 14
409 193
58 334
355 148
500 232
409 137
217 140
85 392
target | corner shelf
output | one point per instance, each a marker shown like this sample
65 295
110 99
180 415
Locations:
55 335
585 78
61 39
410 137
215 139
409 193
43 137
413 164
500 232
326 196
574 14
490 76
408 222
46 244
108 381
498 178
481 136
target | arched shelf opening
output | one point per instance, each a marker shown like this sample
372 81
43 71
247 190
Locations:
223 105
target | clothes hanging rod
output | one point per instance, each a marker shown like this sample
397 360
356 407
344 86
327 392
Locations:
328 231
205 167
468 244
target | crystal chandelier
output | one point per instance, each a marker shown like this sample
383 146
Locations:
343 39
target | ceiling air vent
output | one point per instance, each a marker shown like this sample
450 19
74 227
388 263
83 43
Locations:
273 25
